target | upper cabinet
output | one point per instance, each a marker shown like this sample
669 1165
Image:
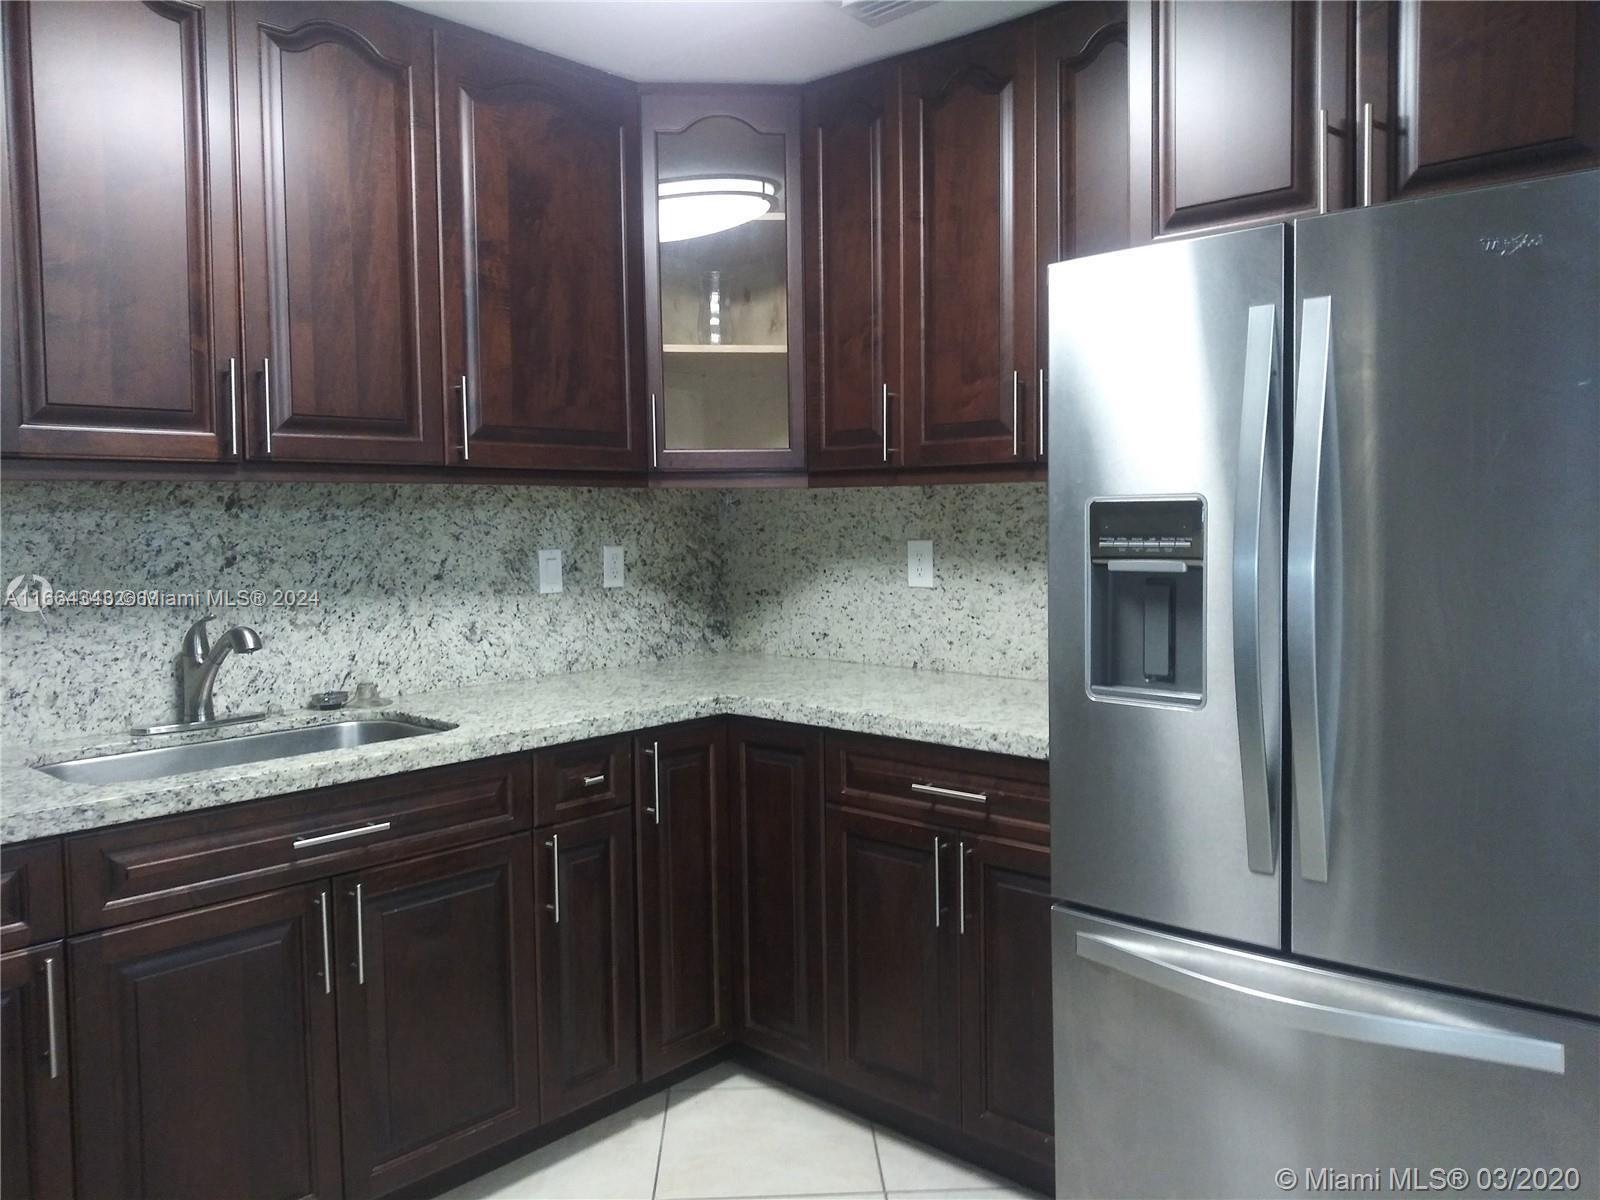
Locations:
1229 124
544 345
851 164
722 279
968 113
1456 95
341 255
119 255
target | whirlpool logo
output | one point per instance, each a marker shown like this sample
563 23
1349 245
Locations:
1511 243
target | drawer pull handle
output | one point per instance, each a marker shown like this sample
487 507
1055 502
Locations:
361 938
50 1014
322 839
327 965
593 780
933 789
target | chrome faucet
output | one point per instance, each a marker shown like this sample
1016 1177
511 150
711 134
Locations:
201 660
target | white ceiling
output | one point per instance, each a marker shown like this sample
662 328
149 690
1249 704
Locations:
719 41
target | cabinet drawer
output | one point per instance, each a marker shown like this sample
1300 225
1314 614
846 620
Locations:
964 789
582 779
31 897
174 863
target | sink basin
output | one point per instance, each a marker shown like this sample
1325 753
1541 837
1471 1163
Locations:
233 751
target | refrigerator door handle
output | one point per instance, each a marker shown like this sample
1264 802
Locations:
1256 624
1162 967
1312 401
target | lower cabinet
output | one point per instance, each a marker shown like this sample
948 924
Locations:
1007 1072
686 993
232 1050
35 1111
204 1059
894 1003
775 786
437 1011
939 986
588 966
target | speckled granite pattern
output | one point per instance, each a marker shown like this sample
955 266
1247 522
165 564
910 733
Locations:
1004 715
823 574
421 587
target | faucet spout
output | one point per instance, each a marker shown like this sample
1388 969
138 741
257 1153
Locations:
201 660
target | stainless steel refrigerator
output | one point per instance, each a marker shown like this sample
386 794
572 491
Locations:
1325 703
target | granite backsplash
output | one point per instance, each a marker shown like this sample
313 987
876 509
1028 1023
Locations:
421 587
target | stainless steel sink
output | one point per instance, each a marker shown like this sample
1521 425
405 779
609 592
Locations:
134 765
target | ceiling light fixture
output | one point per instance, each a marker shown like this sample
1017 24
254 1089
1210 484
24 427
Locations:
691 208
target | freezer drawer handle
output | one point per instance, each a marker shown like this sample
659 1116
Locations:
1481 1043
1257 619
1313 398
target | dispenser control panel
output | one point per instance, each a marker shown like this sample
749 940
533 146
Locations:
1147 529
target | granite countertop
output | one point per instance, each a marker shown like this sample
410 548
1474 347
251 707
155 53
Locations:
977 712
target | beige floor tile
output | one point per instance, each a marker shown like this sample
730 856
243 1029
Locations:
912 1167
613 1159
726 1074
762 1142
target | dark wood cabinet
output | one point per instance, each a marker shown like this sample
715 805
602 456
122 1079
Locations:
970 261
894 996
588 961
851 167
1225 124
204 1059
437 1011
775 788
340 224
686 993
35 1106
1460 95
119 251
32 895
1007 1081
542 261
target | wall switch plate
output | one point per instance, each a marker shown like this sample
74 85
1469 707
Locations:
919 564
611 566
549 570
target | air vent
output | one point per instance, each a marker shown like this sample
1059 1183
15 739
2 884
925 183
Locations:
881 12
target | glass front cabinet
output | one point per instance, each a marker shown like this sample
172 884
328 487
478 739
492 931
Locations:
722 280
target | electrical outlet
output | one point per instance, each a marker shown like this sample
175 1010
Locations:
919 564
549 570
611 566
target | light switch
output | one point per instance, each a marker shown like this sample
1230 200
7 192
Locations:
611 566
549 570
919 564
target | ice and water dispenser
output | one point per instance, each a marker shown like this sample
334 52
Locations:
1146 560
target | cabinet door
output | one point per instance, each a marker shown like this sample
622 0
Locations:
970 263
341 256
893 990
1081 55
1225 119
204 1062
588 964
1467 94
119 245
851 167
1006 1082
542 260
686 986
35 1113
776 790
436 1011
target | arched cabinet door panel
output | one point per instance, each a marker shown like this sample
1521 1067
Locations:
544 346
340 224
118 252
968 112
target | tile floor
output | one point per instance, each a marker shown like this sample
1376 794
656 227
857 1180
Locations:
732 1134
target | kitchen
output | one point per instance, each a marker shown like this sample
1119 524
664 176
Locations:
759 599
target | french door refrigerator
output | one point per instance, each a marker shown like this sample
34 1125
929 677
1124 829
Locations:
1325 703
